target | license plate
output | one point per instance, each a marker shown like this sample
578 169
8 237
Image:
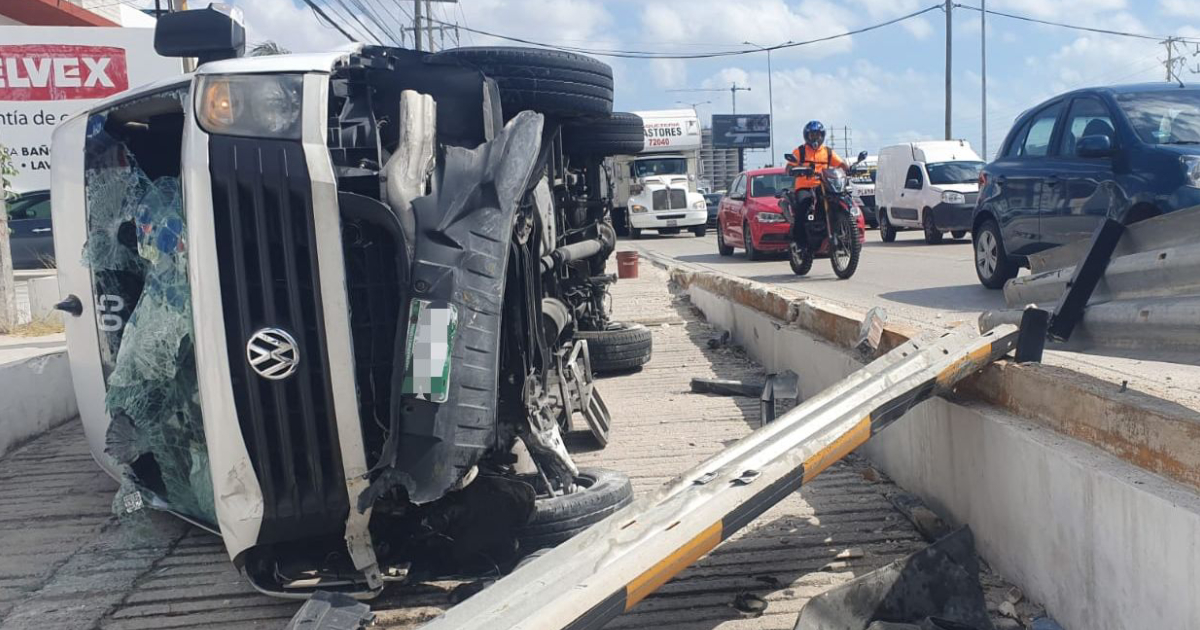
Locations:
672 223
431 330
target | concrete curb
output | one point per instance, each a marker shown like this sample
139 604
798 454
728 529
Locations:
1154 434
36 395
1102 543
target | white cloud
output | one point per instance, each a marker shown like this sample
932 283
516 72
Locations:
290 25
673 23
1180 8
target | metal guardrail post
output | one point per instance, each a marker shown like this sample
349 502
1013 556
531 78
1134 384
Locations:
1087 275
605 571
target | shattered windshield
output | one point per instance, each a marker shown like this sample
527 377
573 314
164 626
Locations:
136 250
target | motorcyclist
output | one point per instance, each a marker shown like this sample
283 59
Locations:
814 153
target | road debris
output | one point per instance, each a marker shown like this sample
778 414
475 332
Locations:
931 526
937 584
331 611
749 604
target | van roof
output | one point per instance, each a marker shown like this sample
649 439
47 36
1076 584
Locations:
938 150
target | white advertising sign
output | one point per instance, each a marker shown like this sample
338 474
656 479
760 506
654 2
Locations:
671 130
48 73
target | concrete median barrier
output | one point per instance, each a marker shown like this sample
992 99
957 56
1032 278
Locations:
35 389
1099 527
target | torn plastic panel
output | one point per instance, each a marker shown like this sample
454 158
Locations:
463 237
137 252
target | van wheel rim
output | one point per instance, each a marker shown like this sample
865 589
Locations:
986 254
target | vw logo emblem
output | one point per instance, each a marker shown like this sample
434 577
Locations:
273 353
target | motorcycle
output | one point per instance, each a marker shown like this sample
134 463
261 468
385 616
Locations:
824 222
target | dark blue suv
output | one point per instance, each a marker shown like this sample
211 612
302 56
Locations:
1129 152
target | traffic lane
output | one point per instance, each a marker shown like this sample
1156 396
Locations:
914 281
923 285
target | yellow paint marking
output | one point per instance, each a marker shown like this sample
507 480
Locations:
840 447
648 582
974 361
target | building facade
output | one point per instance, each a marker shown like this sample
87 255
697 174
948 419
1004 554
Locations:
718 167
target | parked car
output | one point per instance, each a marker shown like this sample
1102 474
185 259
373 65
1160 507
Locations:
713 201
1128 152
750 217
930 186
31 239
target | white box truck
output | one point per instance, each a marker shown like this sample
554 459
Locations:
930 186
657 189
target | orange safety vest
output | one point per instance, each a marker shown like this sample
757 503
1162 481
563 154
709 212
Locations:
820 159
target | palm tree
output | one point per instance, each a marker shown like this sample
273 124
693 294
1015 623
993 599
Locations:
267 48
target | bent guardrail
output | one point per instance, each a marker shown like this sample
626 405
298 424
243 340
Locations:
1145 297
605 571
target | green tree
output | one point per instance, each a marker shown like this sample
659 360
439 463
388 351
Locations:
268 48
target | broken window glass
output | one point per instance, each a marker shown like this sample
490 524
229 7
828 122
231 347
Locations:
137 252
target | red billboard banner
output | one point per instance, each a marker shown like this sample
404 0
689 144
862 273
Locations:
59 72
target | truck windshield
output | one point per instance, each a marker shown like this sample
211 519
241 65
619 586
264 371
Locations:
1164 117
660 166
954 172
768 185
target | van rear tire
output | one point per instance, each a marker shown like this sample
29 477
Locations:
886 231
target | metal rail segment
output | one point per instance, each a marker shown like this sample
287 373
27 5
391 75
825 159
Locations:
605 571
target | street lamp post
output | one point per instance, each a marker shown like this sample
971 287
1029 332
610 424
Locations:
770 94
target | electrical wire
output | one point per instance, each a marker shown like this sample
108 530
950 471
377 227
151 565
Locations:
646 54
1076 27
321 14
376 20
365 34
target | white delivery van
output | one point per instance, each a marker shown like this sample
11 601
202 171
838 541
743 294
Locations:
658 189
930 186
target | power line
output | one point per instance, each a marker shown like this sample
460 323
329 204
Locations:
374 19
365 33
321 14
1076 27
646 54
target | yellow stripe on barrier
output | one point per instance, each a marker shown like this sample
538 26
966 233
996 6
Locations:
648 582
971 362
840 447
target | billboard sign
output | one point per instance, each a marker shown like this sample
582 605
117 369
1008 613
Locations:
741 131
48 73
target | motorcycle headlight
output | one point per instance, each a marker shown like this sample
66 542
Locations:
700 205
953 197
769 217
1191 170
637 207
253 105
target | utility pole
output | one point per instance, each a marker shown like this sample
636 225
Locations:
8 288
417 24
429 23
949 27
983 70
770 94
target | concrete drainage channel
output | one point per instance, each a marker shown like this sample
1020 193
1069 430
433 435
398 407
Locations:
1080 525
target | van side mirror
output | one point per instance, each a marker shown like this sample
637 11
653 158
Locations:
914 184
210 34
1094 146
862 156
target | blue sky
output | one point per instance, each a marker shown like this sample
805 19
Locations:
886 85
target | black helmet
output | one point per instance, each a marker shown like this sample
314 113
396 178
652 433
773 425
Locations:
814 128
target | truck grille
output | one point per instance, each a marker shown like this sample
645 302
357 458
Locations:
262 214
669 199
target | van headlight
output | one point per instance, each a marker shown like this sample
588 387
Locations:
638 208
254 105
953 197
700 205
1191 170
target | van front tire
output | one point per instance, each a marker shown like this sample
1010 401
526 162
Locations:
933 236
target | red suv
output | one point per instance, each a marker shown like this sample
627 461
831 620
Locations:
749 215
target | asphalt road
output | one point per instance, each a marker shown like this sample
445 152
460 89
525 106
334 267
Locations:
920 285
915 282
